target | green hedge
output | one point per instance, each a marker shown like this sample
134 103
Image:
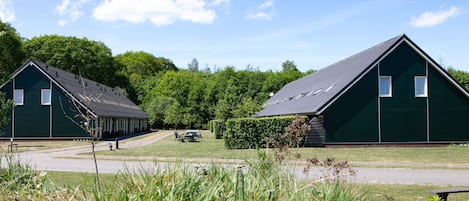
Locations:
248 133
218 127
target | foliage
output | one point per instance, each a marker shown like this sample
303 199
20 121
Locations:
5 110
219 128
262 179
461 76
90 59
289 66
203 96
11 51
249 133
138 66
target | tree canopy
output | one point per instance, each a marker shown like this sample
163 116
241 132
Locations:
11 53
87 58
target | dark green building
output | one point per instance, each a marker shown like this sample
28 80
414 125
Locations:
390 93
50 103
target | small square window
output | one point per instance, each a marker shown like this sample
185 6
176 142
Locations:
420 86
385 86
45 96
18 96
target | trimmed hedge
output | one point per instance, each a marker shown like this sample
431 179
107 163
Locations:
218 127
249 133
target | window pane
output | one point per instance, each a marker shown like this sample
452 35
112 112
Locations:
45 96
385 86
18 96
420 86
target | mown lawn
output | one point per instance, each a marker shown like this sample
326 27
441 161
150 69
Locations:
31 145
375 191
210 147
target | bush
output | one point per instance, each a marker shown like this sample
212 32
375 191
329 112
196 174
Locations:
248 133
219 128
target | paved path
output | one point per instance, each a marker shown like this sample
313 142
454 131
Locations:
64 159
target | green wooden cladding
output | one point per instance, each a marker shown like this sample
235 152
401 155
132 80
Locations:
403 116
354 117
449 110
33 120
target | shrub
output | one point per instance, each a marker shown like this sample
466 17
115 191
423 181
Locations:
245 133
219 128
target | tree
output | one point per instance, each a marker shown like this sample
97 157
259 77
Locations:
157 109
194 65
90 59
11 53
289 66
461 76
6 106
138 66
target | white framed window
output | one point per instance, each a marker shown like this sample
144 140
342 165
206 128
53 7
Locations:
18 96
385 86
45 97
420 86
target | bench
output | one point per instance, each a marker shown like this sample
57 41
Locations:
443 194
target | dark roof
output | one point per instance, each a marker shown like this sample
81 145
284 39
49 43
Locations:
310 94
99 98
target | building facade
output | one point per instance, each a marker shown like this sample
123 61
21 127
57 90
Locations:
53 103
390 93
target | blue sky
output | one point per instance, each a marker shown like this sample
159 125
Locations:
259 33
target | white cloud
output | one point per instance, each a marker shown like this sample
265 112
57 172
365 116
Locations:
7 14
262 12
69 10
266 4
225 3
428 19
158 12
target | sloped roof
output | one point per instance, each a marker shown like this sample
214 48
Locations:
98 98
310 94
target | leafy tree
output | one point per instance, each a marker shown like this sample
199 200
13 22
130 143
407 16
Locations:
461 76
174 115
5 110
91 59
157 109
194 65
138 66
11 53
289 66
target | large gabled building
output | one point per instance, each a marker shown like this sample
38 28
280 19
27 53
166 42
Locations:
390 93
48 100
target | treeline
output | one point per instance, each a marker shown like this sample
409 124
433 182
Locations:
173 97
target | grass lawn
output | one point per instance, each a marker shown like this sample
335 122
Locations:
376 191
30 145
210 147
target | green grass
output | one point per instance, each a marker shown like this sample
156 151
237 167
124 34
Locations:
210 147
31 145
375 191
407 192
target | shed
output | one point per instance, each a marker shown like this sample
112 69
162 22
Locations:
48 101
390 93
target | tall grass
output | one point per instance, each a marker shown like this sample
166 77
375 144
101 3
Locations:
261 179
